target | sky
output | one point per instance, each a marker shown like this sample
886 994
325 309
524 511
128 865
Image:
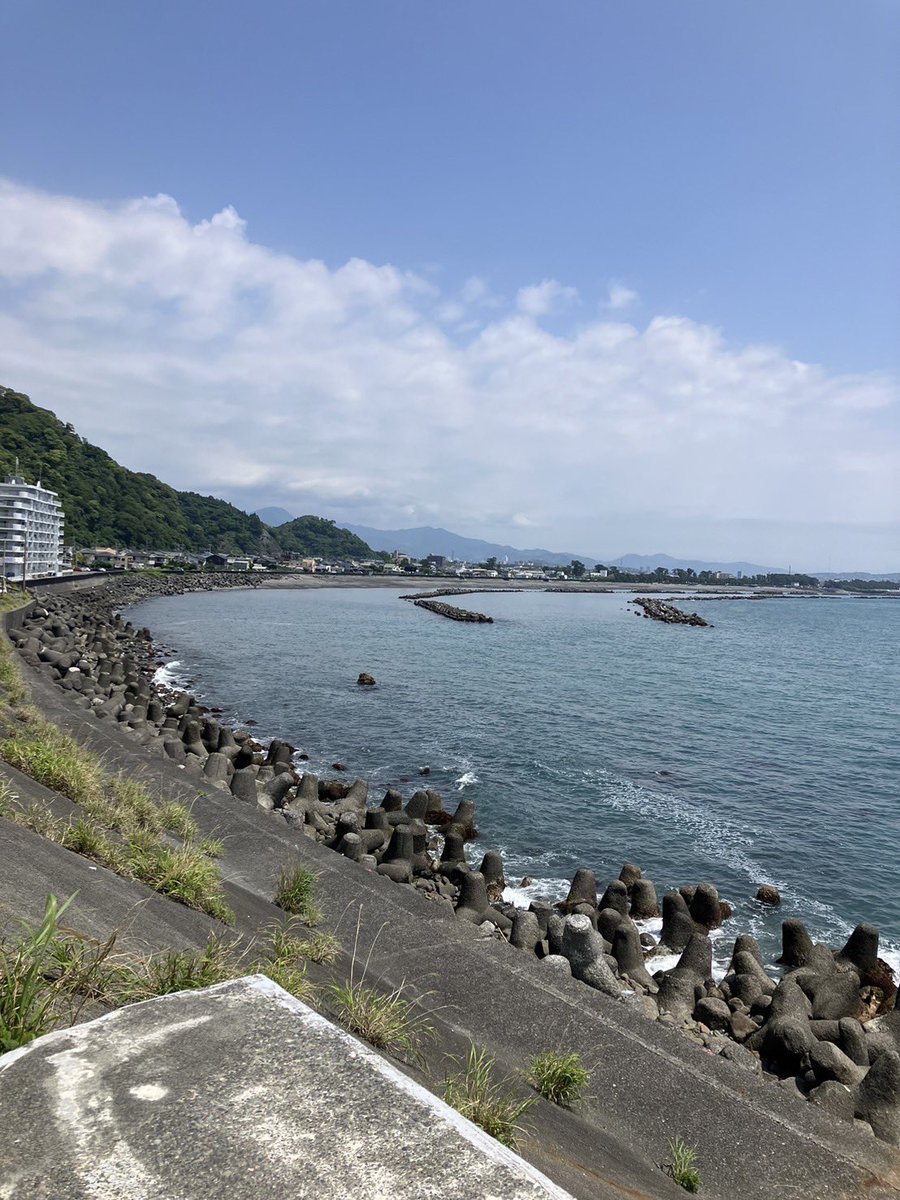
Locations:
590 275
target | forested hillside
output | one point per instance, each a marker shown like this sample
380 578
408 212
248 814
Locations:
106 504
318 537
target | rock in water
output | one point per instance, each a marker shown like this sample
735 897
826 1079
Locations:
366 680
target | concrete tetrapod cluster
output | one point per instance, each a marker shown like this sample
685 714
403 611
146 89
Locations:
826 1027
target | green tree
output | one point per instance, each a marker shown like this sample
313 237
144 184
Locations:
577 568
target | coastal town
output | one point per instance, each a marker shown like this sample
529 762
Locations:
33 546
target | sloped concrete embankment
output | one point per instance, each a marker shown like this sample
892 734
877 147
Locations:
648 1083
236 1089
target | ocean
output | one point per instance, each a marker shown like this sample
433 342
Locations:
762 750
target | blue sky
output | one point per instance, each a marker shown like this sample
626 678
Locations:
734 166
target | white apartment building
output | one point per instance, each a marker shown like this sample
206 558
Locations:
31 529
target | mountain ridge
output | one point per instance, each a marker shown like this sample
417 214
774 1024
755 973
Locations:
425 539
108 504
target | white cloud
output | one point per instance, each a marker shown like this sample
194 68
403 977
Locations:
539 299
193 352
620 296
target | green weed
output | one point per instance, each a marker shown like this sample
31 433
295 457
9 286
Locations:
473 1092
560 1078
386 1020
27 996
295 892
183 873
683 1167
177 819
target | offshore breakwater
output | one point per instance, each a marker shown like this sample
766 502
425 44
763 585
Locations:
821 1011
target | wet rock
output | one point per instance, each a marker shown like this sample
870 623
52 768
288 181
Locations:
677 926
464 819
492 870
861 948
744 943
705 907
769 895
365 679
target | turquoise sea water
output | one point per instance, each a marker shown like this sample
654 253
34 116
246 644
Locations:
762 750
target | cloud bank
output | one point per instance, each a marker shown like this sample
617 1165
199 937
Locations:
366 392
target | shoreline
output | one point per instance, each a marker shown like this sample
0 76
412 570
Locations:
594 939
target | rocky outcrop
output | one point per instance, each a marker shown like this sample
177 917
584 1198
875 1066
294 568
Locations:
454 614
658 610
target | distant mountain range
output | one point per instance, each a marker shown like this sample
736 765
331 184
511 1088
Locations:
423 540
649 562
865 575
427 540
273 517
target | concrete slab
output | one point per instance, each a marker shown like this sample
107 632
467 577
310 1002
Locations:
238 1090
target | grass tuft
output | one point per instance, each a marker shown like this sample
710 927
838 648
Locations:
386 1020
292 941
85 836
185 970
295 893
560 1078
473 1092
112 805
683 1167
135 807
185 874
177 819
27 997
58 762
